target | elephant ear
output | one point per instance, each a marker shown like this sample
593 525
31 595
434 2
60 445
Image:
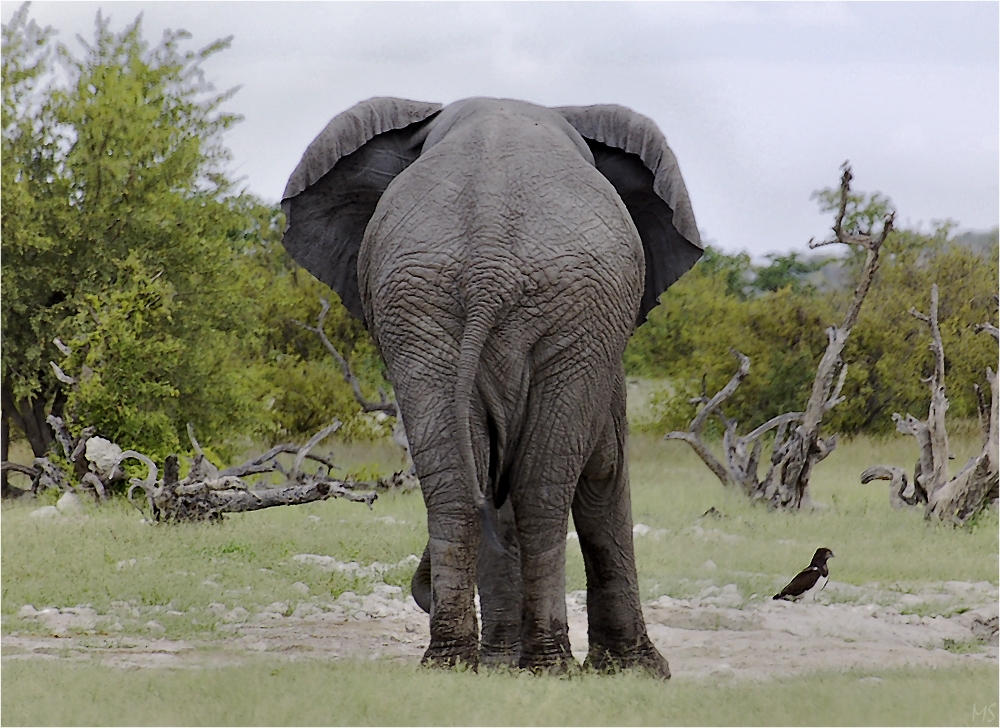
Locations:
631 151
332 193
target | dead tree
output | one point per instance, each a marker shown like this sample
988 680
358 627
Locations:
952 500
386 406
207 493
92 479
797 447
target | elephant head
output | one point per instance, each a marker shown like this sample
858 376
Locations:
501 253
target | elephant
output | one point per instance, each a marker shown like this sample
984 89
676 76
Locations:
500 254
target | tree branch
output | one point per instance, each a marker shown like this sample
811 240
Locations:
385 405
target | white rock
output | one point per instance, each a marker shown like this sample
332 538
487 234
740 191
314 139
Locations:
315 519
104 454
27 612
301 587
69 504
45 513
572 536
216 608
640 529
871 680
125 564
709 565
154 626
238 614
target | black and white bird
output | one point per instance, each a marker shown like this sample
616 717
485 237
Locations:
810 581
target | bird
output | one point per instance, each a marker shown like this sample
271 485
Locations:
810 581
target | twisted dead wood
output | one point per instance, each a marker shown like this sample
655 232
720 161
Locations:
951 500
796 449
208 493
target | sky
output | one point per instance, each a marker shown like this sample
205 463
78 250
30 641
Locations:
761 102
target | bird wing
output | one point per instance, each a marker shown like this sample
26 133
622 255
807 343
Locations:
803 582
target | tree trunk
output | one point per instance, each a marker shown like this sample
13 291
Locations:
29 417
5 489
786 484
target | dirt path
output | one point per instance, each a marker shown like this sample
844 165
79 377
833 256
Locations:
702 639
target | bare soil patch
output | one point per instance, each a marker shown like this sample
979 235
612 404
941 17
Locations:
866 628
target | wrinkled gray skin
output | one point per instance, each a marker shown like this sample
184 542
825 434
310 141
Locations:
500 254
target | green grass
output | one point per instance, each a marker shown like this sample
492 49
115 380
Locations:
179 571
117 564
247 560
756 549
385 693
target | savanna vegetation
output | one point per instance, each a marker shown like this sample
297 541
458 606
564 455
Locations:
135 266
164 282
178 577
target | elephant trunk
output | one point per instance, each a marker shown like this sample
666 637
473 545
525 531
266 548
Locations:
477 329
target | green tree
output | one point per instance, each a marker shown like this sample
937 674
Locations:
120 231
770 314
302 383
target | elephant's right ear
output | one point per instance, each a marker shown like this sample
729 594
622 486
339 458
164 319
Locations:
631 151
332 193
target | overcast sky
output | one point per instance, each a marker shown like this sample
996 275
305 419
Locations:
761 102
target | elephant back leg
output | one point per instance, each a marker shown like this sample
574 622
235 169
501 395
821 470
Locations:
423 390
555 442
602 514
498 578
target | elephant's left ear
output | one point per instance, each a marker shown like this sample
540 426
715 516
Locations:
631 151
334 190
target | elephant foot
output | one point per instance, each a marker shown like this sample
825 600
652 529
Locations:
452 654
499 655
556 660
643 657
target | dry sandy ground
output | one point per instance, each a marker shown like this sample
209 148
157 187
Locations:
706 638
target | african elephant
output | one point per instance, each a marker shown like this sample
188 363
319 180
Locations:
500 254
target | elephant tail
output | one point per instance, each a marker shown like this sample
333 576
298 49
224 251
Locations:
477 329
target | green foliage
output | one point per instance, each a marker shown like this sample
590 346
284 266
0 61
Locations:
123 237
689 336
725 302
303 383
888 350
128 239
787 271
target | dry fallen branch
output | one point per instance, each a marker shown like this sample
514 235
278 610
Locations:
956 499
46 474
207 493
786 484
